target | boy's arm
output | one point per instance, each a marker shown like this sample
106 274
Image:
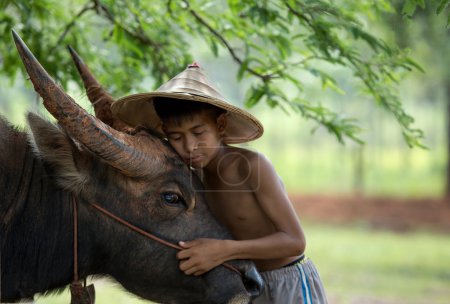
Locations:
287 241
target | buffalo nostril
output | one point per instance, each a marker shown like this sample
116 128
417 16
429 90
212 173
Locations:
253 282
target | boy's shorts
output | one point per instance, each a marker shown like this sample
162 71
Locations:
297 283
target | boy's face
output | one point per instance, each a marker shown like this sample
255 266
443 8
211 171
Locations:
197 138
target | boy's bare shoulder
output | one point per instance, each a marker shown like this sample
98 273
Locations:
244 157
251 163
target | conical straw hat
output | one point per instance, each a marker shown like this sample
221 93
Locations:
193 85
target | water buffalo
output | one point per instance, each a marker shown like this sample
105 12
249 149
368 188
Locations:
138 177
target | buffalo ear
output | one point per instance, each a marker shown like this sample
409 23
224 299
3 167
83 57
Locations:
56 148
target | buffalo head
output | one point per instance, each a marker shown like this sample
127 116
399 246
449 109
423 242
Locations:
141 179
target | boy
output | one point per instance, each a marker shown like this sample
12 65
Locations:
242 188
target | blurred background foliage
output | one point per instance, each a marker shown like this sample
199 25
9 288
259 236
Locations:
344 90
372 73
273 43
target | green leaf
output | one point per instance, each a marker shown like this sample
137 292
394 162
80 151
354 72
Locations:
294 81
254 95
421 3
414 64
118 34
242 69
214 47
442 6
409 7
130 44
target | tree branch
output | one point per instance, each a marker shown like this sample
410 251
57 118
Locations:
71 24
263 77
138 35
299 15
286 65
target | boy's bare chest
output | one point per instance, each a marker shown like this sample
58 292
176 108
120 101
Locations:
233 202
240 213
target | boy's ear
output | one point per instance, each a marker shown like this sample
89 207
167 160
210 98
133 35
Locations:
221 122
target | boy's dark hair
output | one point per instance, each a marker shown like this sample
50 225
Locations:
177 109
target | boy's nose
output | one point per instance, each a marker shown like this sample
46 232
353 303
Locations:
190 145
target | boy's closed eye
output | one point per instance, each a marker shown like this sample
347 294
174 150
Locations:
174 136
198 133
198 129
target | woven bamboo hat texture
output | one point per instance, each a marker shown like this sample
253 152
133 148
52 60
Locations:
193 85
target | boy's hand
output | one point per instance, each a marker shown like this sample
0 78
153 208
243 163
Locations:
200 256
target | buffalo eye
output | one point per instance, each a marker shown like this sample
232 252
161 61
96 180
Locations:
173 199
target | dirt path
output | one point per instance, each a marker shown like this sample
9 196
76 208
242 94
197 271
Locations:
383 213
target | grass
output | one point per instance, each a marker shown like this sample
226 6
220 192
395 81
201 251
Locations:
107 292
357 265
360 265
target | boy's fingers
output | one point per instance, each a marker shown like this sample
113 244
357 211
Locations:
188 269
186 265
182 267
199 273
183 254
194 271
185 244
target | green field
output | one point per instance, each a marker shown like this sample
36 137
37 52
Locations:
357 265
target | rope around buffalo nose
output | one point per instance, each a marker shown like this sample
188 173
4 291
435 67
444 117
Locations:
149 235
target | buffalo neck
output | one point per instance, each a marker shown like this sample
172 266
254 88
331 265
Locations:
37 230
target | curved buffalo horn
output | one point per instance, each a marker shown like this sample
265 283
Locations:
118 149
100 99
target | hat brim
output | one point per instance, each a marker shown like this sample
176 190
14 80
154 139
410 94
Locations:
138 110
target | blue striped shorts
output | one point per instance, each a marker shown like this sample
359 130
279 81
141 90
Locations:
298 283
